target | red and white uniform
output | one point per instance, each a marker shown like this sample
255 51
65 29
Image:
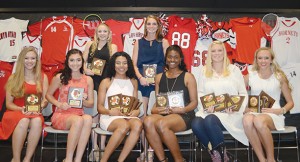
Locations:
57 37
80 42
182 32
118 28
5 72
292 72
249 37
136 33
33 41
200 54
222 32
11 38
286 40
90 27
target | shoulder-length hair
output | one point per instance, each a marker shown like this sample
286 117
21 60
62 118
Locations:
15 83
66 72
182 65
158 34
209 62
112 62
94 45
274 65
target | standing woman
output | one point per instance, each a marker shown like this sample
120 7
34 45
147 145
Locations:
266 76
101 47
28 79
66 117
160 127
150 49
218 76
120 79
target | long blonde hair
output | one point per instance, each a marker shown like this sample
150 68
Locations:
274 65
94 45
208 66
15 83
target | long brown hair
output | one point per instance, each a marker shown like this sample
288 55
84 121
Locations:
158 34
15 83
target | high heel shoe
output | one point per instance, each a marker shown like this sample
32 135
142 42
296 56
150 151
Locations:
96 156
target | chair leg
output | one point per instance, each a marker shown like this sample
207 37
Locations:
55 146
42 146
296 137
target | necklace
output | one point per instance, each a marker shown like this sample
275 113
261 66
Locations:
123 85
172 85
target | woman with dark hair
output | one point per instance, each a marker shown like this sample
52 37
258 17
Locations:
28 79
160 127
120 79
65 116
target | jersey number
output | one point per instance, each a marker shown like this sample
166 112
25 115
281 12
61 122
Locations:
12 42
183 40
199 58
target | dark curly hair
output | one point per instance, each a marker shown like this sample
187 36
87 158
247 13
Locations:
111 65
66 71
182 65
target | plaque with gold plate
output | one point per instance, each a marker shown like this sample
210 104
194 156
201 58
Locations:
75 96
127 103
114 102
33 103
208 100
149 72
235 102
221 102
254 103
162 100
266 100
98 66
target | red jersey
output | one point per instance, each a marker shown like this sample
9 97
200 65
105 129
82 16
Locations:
118 28
249 37
182 32
57 37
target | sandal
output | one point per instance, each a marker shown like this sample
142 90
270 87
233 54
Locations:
164 160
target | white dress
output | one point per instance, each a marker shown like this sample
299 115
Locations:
233 85
272 87
117 86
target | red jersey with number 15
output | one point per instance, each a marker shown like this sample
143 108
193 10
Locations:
182 32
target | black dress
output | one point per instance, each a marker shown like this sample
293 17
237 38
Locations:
177 86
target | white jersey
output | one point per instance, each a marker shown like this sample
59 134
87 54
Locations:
33 41
200 54
292 72
80 42
136 33
286 40
11 38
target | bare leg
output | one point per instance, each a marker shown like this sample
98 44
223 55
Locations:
264 124
166 127
75 124
135 131
84 137
18 138
253 136
120 127
152 135
33 137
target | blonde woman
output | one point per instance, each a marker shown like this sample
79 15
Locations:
101 47
28 79
219 76
266 75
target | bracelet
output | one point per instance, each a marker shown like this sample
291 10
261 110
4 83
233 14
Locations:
140 77
283 110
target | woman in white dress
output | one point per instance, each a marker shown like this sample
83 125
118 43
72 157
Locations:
265 75
120 79
218 76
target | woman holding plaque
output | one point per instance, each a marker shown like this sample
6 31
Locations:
23 112
219 77
96 56
265 75
178 112
75 91
120 80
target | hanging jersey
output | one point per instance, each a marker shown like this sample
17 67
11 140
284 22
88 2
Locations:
286 40
249 37
292 72
11 38
32 41
57 37
182 32
80 42
200 54
136 33
118 28
222 32
89 28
